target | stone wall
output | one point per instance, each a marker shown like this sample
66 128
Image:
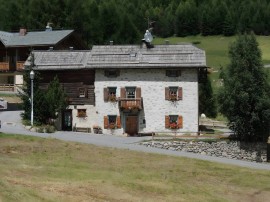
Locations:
152 83
234 150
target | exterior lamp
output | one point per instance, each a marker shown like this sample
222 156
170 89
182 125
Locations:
32 75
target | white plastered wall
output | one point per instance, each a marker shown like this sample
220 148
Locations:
152 83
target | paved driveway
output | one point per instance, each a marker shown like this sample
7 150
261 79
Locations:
11 124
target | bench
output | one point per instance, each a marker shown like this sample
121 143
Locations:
82 129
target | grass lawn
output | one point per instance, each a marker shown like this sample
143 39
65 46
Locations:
216 48
35 169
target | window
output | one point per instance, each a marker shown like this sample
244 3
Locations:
81 113
173 93
174 121
112 119
82 92
110 94
173 73
130 92
112 122
111 73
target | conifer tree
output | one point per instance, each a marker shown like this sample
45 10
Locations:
245 97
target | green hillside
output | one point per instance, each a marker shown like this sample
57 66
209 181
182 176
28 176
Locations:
216 48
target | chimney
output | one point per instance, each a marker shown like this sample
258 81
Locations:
111 43
48 27
22 32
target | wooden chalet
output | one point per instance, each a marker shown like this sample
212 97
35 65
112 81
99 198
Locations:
76 80
15 48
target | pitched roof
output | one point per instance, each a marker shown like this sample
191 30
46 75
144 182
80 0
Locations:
59 60
135 56
39 38
129 56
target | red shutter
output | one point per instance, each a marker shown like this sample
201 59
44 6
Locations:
106 122
180 93
180 122
106 94
123 92
118 121
167 121
167 93
138 92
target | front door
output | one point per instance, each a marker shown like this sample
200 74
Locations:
132 125
67 120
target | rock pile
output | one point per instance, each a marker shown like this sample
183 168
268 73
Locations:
256 152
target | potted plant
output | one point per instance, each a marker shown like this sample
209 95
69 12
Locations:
96 129
173 125
173 97
112 125
112 98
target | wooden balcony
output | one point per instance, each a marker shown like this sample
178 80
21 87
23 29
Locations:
7 87
4 66
130 103
20 65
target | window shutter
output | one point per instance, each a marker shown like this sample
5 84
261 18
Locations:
167 121
106 94
180 93
118 121
167 93
123 93
180 122
138 92
106 122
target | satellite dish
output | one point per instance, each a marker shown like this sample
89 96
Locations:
148 37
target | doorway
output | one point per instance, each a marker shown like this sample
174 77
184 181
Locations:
132 125
67 120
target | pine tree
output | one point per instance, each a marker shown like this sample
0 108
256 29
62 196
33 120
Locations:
25 94
55 98
245 97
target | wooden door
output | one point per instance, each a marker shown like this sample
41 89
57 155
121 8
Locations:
132 125
67 120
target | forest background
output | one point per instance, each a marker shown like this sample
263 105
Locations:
125 21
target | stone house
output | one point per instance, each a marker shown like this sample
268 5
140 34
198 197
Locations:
135 89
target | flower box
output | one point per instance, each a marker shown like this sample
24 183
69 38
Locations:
173 125
173 97
112 126
112 98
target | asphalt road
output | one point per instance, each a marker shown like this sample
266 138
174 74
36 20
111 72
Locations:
11 123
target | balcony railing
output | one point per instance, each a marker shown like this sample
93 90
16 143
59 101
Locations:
4 66
20 65
7 87
130 103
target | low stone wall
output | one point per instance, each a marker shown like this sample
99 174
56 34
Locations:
256 152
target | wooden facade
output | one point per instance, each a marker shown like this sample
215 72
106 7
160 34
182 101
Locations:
16 47
78 84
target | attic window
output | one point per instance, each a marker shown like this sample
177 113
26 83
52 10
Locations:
111 73
173 73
